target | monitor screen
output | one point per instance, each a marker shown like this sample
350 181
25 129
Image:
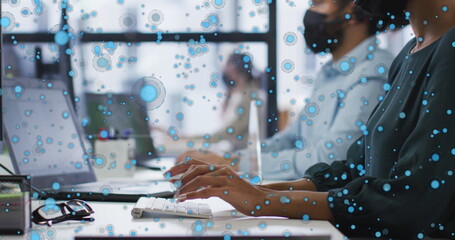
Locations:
122 115
42 132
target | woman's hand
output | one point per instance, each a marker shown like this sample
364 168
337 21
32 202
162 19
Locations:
205 181
207 157
201 180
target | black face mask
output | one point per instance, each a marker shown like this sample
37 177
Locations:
322 35
386 9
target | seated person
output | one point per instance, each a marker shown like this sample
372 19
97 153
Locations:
347 89
242 87
398 178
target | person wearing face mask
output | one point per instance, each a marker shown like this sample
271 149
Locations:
346 90
242 84
397 180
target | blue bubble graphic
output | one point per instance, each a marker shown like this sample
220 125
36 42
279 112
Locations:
61 38
56 186
5 22
435 184
386 187
148 93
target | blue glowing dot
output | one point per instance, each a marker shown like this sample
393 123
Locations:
344 66
386 87
435 184
380 128
56 186
255 180
219 2
402 115
105 191
178 184
306 217
167 176
445 8
386 187
5 22
61 38
149 93
407 173
65 115
102 62
104 134
312 109
453 151
351 209
286 166
435 157
381 70
199 228
99 161
205 24
284 199
299 144
420 236
35 236
18 89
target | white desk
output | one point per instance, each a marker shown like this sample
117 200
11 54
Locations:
114 219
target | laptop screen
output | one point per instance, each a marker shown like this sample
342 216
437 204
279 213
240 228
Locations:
42 133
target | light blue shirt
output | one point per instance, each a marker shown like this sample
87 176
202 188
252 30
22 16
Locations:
345 94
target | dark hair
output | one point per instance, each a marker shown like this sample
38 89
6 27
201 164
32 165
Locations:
376 24
243 63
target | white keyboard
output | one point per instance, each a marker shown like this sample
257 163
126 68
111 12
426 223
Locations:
163 206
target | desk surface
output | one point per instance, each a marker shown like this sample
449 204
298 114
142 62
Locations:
114 219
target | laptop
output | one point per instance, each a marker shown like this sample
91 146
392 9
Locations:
46 141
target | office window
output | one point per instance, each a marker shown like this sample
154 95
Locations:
114 43
155 38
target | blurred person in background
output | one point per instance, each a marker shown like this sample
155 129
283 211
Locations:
347 89
243 85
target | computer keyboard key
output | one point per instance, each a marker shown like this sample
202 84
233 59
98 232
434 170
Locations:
191 208
204 210
159 204
180 209
170 207
149 203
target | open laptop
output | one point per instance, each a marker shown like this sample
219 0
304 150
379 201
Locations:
46 142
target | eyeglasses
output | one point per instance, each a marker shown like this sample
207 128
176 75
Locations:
74 210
